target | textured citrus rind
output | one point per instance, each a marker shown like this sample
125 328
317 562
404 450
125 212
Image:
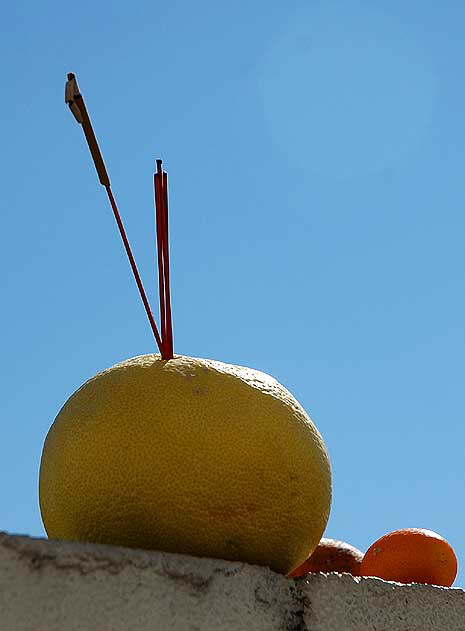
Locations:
187 455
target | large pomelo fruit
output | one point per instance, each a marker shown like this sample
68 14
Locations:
191 456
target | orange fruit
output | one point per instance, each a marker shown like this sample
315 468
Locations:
331 556
411 555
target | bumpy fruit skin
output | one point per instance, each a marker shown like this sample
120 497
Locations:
191 456
411 555
331 555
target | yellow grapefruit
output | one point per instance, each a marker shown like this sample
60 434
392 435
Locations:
191 456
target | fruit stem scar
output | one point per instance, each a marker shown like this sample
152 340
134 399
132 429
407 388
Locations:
75 101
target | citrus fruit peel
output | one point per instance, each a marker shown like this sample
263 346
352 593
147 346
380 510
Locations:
331 555
411 555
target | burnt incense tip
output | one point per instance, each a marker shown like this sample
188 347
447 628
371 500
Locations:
71 93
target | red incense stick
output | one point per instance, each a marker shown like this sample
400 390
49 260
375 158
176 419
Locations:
165 342
160 179
161 276
135 271
166 268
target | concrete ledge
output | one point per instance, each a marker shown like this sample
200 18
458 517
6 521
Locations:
66 586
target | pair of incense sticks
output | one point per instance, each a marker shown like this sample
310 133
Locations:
160 183
164 341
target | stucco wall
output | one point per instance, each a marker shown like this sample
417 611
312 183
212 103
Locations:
65 586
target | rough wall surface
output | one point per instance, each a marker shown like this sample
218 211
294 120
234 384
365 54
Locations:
66 586
340 602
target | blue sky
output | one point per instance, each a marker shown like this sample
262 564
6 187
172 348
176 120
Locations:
315 152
